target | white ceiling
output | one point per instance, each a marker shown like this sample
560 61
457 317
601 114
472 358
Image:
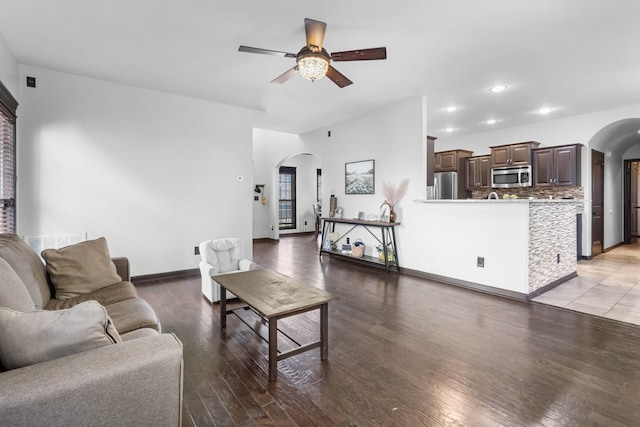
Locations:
576 56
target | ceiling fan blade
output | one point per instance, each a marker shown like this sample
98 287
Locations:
315 34
284 77
337 77
266 51
360 54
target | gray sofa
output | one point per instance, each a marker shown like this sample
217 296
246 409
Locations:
130 376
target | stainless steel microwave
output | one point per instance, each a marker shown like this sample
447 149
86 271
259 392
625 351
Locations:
511 176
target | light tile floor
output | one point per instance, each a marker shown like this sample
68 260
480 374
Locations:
606 286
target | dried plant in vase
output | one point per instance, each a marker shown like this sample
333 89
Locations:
393 195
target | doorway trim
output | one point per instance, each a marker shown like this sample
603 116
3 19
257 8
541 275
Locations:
275 231
597 202
628 235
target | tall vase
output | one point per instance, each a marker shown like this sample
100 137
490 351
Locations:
333 205
392 215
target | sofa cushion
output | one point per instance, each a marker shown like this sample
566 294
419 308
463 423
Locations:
36 336
13 293
133 314
138 333
28 266
108 295
81 268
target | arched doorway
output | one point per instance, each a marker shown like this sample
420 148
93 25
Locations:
619 141
307 166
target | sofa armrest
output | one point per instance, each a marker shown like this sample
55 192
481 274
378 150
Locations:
122 268
137 382
207 270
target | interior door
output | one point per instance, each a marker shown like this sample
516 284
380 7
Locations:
634 202
627 201
631 201
597 203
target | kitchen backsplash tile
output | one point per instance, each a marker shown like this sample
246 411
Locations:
538 193
552 243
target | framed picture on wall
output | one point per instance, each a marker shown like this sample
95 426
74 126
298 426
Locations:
359 177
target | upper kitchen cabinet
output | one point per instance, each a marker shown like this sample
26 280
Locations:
557 166
478 172
449 161
512 154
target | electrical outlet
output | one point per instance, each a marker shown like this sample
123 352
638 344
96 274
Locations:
481 262
196 250
256 198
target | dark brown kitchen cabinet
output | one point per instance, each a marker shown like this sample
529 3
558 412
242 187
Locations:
512 154
478 172
449 161
557 166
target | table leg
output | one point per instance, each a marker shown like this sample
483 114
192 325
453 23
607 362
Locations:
395 249
223 307
385 249
273 349
324 331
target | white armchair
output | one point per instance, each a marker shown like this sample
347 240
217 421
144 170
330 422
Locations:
220 256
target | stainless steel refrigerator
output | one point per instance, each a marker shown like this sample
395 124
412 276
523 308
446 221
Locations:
446 184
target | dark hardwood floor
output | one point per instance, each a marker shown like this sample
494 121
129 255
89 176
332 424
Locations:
403 351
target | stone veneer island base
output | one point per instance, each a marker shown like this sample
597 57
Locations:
516 248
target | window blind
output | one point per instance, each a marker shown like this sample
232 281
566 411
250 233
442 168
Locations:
8 107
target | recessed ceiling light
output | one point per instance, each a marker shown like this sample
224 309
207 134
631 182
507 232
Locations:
497 88
449 129
545 110
491 122
452 108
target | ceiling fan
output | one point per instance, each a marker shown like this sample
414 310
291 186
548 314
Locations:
312 61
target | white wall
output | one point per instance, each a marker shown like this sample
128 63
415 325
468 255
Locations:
262 175
576 129
455 233
270 150
632 153
154 173
395 138
8 68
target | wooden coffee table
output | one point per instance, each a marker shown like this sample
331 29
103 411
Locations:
275 296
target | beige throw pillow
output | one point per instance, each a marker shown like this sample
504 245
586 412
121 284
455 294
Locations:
13 293
36 336
81 268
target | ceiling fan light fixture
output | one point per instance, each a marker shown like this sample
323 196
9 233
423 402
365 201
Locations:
313 67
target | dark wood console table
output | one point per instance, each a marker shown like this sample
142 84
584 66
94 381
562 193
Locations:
386 237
